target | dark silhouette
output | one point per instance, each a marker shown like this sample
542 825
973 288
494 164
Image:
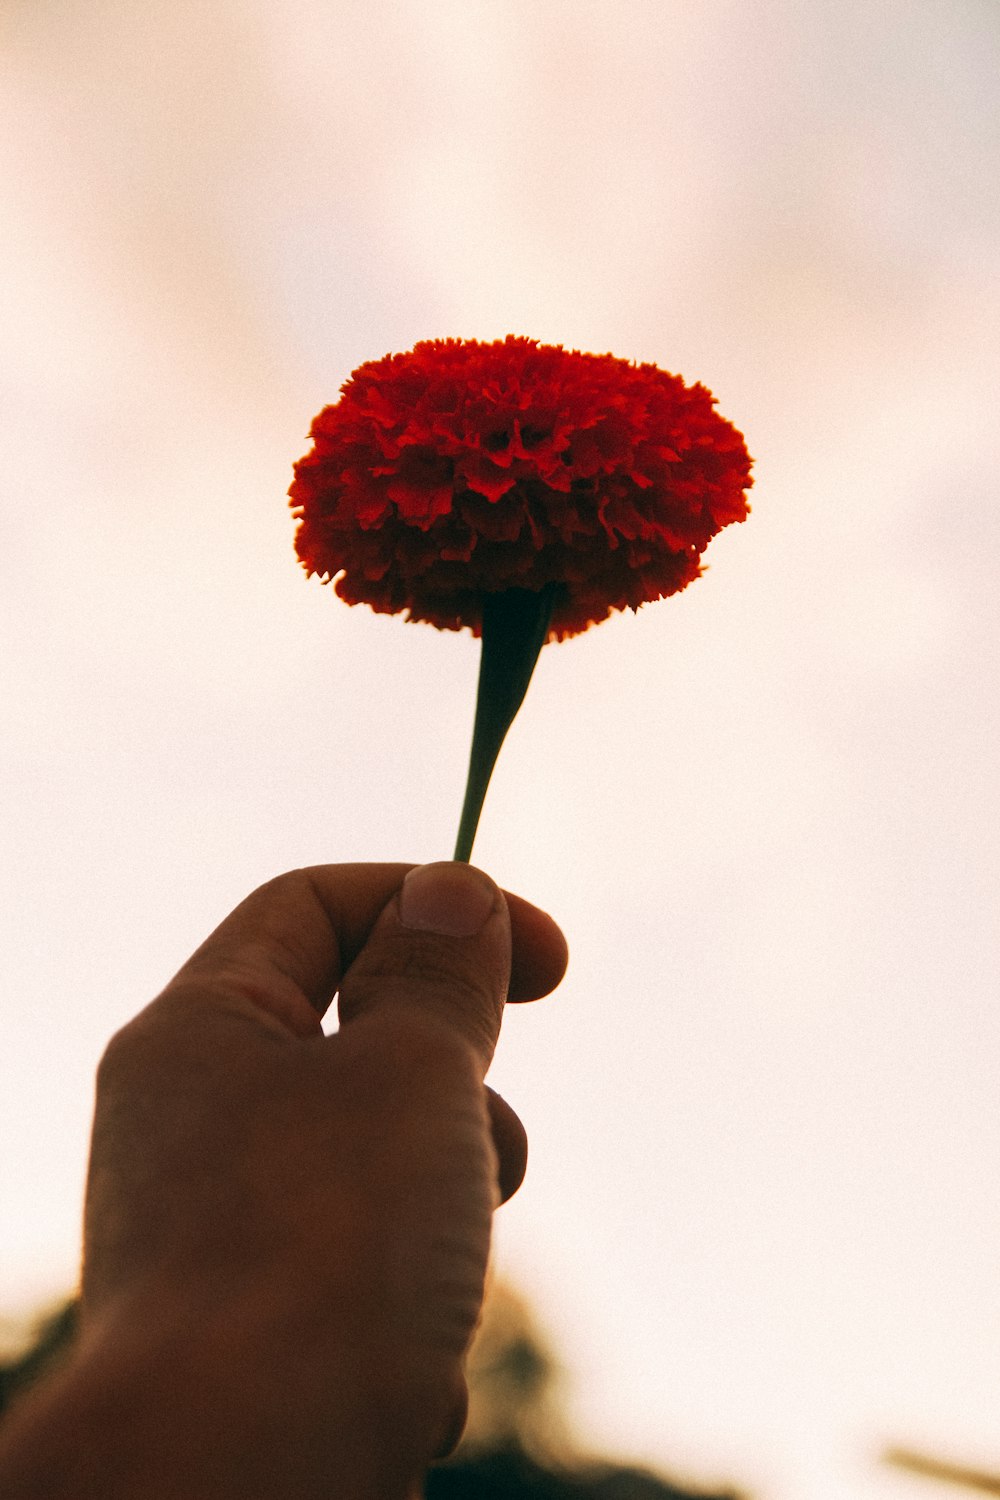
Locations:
509 1474
517 1444
53 1337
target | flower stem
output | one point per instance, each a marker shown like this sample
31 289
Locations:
515 625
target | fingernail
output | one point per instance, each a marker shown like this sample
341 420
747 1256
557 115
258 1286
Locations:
450 898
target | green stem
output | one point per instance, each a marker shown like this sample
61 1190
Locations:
515 625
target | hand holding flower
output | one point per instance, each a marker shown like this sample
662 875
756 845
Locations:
286 1232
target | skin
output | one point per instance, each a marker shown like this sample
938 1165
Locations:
286 1234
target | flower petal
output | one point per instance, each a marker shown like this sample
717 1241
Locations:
461 469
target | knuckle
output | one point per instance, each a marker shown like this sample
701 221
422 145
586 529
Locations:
425 964
445 981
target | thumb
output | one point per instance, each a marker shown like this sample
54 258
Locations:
441 947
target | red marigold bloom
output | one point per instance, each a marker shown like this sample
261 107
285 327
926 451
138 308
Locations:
462 469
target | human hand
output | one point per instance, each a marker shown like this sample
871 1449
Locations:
286 1233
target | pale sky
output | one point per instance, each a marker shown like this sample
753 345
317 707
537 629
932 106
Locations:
761 1219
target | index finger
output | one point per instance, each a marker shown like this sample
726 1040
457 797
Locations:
288 944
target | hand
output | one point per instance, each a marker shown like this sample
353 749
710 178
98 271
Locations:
286 1234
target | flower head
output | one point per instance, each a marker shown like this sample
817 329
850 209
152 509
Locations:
462 469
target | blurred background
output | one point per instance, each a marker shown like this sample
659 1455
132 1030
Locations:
761 1217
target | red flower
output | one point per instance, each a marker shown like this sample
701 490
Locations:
462 469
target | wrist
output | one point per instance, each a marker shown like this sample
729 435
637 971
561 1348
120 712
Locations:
169 1403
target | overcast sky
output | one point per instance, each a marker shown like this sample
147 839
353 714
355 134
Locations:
761 1218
